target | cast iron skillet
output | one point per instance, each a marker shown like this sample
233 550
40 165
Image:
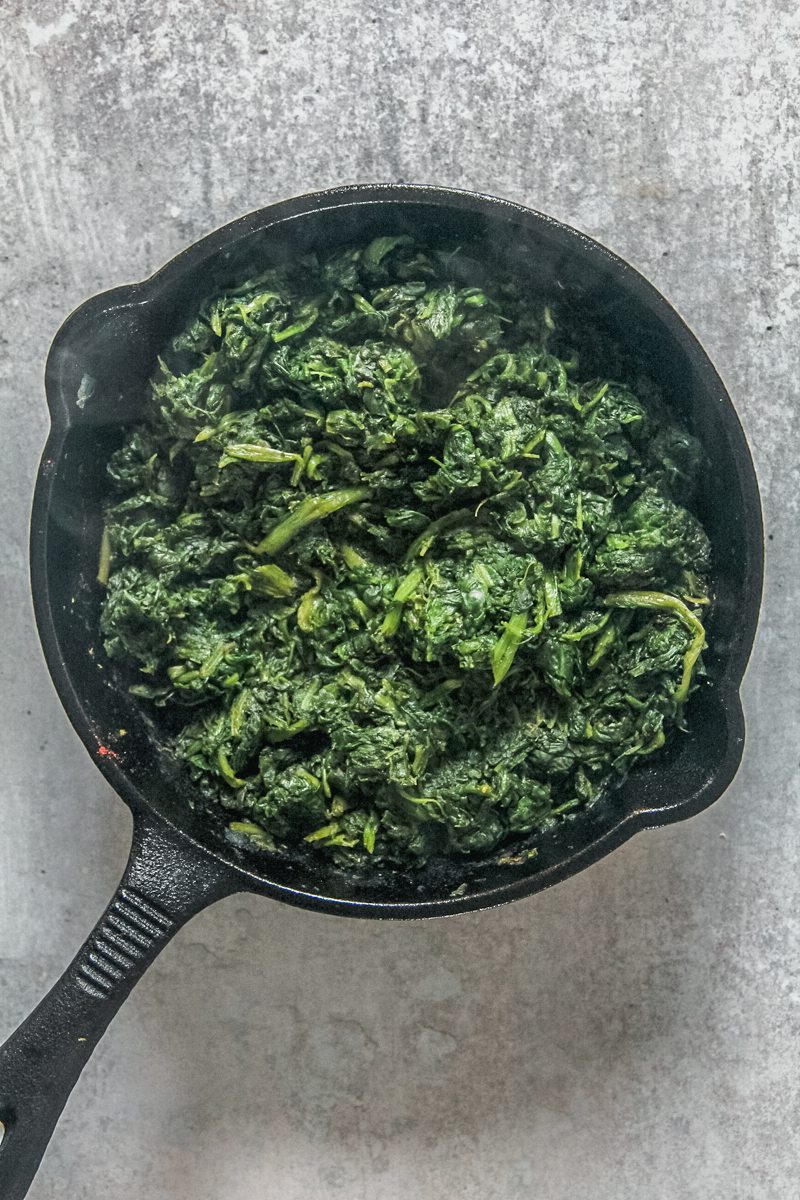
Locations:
181 861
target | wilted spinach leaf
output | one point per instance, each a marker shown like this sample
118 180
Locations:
412 583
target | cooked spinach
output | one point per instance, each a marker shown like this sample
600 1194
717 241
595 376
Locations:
412 583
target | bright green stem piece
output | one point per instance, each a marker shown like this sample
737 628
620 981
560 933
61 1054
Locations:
313 508
672 604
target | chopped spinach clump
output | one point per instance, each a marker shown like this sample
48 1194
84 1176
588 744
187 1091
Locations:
411 584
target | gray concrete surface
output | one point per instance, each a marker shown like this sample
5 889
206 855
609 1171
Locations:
633 1033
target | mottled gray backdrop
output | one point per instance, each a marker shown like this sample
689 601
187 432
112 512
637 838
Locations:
633 1033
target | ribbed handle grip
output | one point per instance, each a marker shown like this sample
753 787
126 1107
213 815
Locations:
165 883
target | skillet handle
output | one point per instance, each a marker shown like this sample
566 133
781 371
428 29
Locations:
165 883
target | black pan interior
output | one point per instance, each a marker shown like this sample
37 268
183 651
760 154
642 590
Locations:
110 345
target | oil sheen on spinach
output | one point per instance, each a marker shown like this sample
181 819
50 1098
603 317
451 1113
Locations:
410 582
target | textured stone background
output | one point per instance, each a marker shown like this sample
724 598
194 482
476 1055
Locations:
632 1033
